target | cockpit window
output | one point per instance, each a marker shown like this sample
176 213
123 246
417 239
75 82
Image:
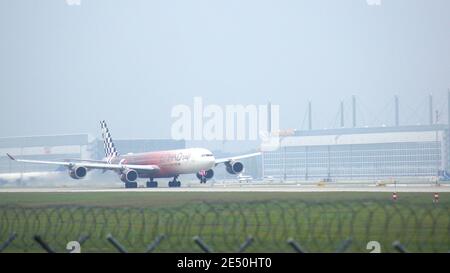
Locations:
205 155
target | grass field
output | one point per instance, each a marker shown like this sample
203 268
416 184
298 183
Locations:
319 222
167 199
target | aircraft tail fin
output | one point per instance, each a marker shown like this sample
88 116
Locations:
110 149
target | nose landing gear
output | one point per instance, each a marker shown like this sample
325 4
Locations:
203 175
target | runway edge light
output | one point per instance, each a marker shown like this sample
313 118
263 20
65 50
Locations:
436 197
394 196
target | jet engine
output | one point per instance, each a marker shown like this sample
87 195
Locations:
129 175
77 172
234 167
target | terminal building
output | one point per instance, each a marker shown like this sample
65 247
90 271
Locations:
361 153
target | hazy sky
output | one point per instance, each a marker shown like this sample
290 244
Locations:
63 68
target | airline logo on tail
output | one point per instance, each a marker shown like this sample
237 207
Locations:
110 150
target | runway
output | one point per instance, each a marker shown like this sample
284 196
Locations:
246 188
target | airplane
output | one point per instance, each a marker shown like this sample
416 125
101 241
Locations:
244 178
150 165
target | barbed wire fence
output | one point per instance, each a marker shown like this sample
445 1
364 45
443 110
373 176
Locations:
270 226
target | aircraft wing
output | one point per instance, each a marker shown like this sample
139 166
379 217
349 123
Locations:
235 158
84 160
91 165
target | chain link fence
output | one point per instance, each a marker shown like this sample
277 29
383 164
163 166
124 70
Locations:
270 226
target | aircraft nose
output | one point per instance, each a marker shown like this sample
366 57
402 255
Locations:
210 161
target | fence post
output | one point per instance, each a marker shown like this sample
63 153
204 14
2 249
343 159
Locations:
245 244
344 245
116 244
399 247
202 244
8 241
295 246
155 243
43 244
83 238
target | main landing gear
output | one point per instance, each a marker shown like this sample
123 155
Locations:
151 183
131 185
174 183
154 184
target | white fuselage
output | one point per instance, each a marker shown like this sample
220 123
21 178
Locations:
171 163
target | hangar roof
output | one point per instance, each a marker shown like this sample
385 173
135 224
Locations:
368 135
50 140
370 130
